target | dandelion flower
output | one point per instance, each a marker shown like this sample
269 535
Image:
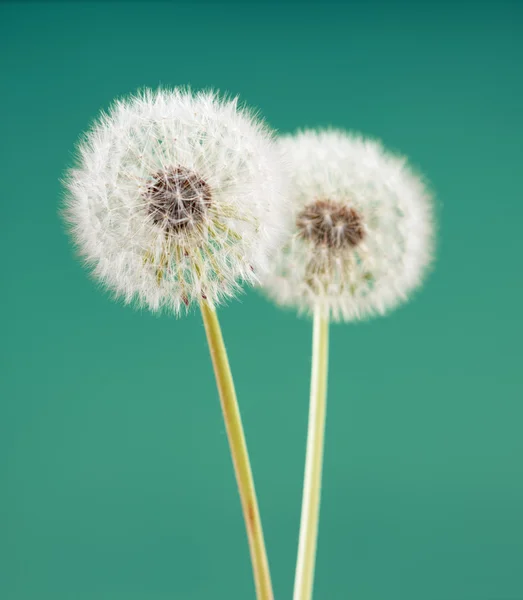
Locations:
359 244
175 198
362 229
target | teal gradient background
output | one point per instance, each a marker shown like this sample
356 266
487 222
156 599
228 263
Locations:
115 477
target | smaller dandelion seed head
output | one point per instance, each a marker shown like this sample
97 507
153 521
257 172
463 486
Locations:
330 224
362 233
177 199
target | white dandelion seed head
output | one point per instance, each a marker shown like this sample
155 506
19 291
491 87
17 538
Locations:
362 227
176 197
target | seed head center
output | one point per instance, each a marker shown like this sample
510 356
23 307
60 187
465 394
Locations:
177 199
330 224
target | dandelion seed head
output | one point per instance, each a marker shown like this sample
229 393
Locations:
361 234
176 197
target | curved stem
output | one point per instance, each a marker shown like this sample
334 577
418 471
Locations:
240 457
310 509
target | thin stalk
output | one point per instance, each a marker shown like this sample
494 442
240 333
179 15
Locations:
240 456
310 508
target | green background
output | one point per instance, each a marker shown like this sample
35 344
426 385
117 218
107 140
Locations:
116 482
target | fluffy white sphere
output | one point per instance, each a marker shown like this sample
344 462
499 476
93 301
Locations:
362 229
176 197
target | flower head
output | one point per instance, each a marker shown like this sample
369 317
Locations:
175 198
362 230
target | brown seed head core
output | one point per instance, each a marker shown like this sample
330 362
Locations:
330 224
177 199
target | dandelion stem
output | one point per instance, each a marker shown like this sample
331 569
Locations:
240 457
310 509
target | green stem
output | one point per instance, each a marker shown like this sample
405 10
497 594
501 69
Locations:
310 509
240 456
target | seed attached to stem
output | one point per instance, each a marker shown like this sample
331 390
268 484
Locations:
330 224
177 198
